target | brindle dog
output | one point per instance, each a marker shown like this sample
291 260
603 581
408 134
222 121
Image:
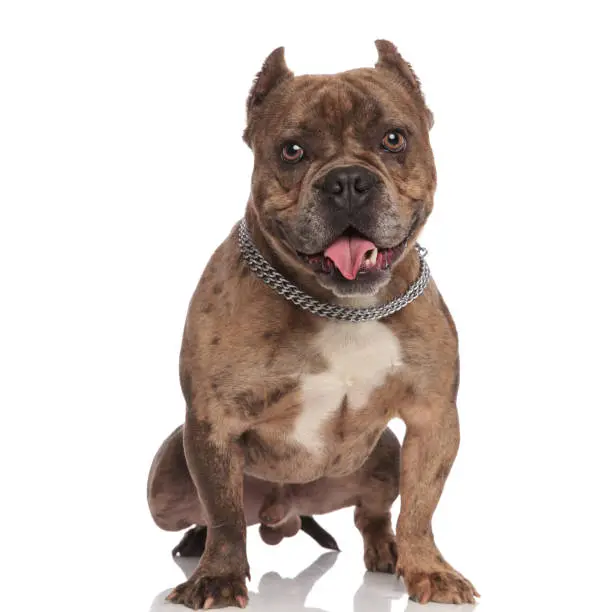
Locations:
286 411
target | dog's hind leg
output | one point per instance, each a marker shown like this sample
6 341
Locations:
174 503
172 496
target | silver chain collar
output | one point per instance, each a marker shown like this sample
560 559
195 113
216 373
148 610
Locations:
289 291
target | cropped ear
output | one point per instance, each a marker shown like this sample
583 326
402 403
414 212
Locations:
390 59
273 72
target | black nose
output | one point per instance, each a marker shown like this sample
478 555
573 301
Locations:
348 186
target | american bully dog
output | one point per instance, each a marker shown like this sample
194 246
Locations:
313 325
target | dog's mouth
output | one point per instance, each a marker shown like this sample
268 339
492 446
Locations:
352 255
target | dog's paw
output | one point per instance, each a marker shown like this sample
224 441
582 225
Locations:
445 586
380 554
205 592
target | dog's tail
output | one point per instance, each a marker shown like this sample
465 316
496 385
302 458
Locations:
317 533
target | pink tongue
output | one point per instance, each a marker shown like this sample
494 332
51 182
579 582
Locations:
347 254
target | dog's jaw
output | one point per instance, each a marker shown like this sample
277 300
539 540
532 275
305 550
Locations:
360 277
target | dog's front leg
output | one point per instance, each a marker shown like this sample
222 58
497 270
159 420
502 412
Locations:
216 464
428 452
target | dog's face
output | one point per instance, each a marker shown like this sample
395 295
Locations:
344 174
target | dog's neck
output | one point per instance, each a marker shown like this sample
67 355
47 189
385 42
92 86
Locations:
406 271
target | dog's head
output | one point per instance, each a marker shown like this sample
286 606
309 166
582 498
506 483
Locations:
344 175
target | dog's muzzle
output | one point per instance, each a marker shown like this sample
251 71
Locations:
348 187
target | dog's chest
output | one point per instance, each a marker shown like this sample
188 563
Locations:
358 358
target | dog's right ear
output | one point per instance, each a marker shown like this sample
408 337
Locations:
273 72
390 59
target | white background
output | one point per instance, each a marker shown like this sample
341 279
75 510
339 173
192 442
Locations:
121 169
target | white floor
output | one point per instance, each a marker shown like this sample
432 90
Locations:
298 575
320 583
113 558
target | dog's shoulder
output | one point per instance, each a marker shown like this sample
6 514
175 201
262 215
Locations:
428 338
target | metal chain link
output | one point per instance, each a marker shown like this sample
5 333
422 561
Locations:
289 291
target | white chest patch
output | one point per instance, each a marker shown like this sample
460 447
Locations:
360 356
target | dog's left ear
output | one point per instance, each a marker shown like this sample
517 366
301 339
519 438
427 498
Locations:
273 72
390 59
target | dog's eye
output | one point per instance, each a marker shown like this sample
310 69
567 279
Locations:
292 153
394 141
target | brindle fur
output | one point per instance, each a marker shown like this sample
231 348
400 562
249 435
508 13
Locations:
246 350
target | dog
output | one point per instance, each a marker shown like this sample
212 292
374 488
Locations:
299 346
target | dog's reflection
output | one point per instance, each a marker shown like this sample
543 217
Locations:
277 594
